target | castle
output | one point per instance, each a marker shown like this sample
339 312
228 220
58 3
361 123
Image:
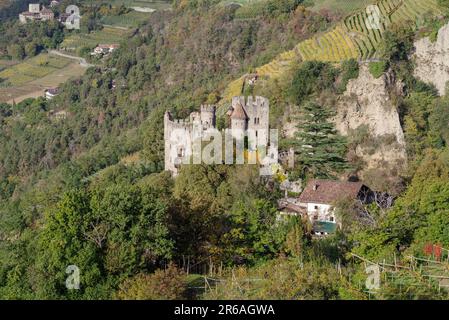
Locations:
35 13
246 115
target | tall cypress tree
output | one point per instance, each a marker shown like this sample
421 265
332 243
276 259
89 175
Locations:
319 149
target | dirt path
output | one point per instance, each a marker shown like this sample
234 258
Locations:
81 61
115 27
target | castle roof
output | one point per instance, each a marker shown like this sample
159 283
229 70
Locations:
239 112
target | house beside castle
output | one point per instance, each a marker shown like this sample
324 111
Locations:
35 13
318 200
248 117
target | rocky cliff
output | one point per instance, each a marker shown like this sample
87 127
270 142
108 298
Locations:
367 114
432 60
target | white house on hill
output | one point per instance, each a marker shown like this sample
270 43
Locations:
320 196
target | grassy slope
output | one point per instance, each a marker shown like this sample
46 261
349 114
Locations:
344 41
154 4
106 35
32 76
342 6
127 20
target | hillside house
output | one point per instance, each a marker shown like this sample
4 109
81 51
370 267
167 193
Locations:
320 196
290 207
35 13
104 49
51 93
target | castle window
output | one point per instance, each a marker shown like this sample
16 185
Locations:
255 120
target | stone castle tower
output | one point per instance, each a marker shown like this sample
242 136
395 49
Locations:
251 114
34 7
179 135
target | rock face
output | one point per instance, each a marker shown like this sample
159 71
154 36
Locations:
432 60
367 101
366 104
367 115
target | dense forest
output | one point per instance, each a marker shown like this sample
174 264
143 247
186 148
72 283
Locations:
89 189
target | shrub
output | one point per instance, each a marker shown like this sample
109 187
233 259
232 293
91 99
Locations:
168 284
378 68
309 78
349 70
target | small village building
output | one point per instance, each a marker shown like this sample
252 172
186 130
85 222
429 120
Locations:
35 13
288 208
104 49
47 14
51 93
320 196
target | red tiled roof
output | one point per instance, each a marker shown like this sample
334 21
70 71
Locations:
328 191
238 112
292 207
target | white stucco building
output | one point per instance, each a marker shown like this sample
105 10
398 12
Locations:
320 197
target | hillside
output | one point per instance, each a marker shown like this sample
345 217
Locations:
352 38
82 181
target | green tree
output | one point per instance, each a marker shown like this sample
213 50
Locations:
30 49
109 233
320 150
311 77
252 232
16 51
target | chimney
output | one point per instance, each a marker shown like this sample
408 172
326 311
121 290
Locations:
315 186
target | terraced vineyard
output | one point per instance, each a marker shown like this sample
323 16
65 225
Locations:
366 32
358 36
127 20
29 78
33 68
107 35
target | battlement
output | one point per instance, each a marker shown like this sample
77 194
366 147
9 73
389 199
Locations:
251 102
254 116
208 108
170 123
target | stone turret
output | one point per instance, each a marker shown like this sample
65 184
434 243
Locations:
208 116
251 115
34 7
239 119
